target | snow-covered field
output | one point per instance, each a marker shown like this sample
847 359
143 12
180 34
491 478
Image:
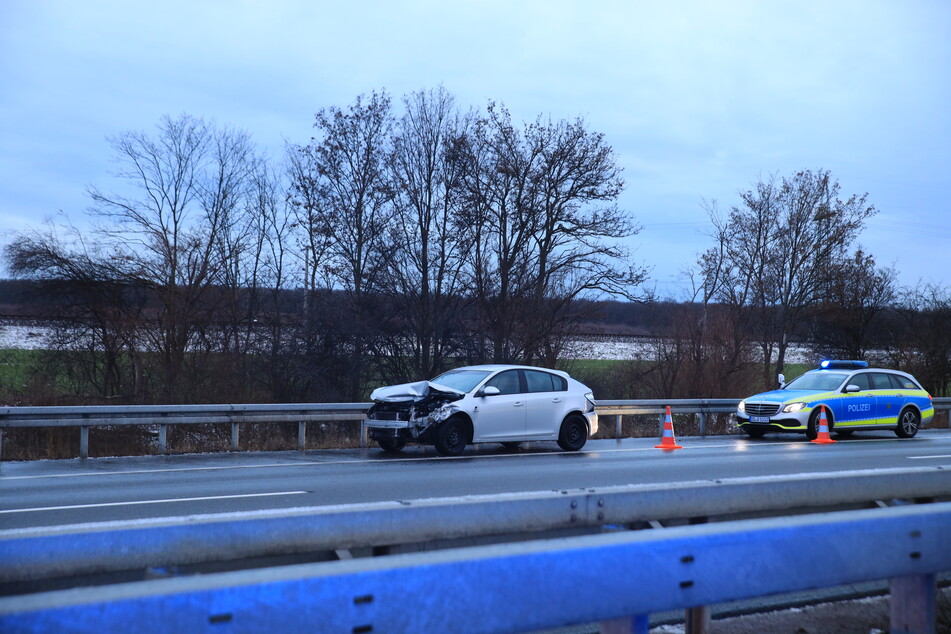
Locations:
23 337
35 337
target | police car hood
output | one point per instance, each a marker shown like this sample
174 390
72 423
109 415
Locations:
779 396
417 391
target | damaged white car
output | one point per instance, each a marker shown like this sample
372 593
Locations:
484 403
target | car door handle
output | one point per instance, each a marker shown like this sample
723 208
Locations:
518 403
557 399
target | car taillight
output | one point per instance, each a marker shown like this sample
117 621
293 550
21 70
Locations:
590 398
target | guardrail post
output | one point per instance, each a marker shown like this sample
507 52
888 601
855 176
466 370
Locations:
697 620
1 444
364 435
163 439
301 434
617 426
703 424
234 435
912 606
84 441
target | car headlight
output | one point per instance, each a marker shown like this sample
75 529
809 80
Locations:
793 407
741 406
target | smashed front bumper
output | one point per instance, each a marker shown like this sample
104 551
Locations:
412 429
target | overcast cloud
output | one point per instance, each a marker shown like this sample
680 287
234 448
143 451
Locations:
699 99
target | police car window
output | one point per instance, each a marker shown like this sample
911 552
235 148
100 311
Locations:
880 381
822 380
507 382
901 383
861 380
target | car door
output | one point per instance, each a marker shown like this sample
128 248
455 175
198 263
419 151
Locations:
898 396
546 396
501 416
888 400
856 408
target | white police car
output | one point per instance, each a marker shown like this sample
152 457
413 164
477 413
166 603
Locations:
856 397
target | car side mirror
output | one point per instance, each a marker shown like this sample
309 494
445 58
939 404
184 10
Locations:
782 381
852 388
489 390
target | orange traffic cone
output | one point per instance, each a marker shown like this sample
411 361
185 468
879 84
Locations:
823 436
667 440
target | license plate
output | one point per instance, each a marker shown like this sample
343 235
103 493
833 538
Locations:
759 419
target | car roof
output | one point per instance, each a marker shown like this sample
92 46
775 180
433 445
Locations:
856 370
495 367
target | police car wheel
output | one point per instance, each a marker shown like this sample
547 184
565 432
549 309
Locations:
908 422
812 427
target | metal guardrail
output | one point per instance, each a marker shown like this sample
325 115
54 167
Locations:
618 578
38 553
161 416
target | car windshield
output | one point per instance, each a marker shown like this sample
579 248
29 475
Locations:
462 380
821 380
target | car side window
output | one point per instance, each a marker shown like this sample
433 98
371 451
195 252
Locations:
901 383
538 381
861 380
507 382
880 381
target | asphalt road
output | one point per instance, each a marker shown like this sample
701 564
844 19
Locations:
49 493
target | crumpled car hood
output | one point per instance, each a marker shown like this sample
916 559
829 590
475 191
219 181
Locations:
413 392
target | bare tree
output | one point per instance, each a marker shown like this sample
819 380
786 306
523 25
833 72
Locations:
425 288
920 340
176 232
859 293
97 314
343 195
545 230
776 253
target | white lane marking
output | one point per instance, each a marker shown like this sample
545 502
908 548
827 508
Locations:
173 470
304 463
323 463
928 457
138 502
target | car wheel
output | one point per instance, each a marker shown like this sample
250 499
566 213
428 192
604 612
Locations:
908 422
574 433
812 427
451 437
391 445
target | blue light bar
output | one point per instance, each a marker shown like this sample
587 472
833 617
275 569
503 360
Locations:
829 364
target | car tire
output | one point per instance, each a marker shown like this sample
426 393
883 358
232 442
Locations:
391 445
451 437
908 422
573 434
812 427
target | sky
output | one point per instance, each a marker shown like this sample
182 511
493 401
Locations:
698 99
